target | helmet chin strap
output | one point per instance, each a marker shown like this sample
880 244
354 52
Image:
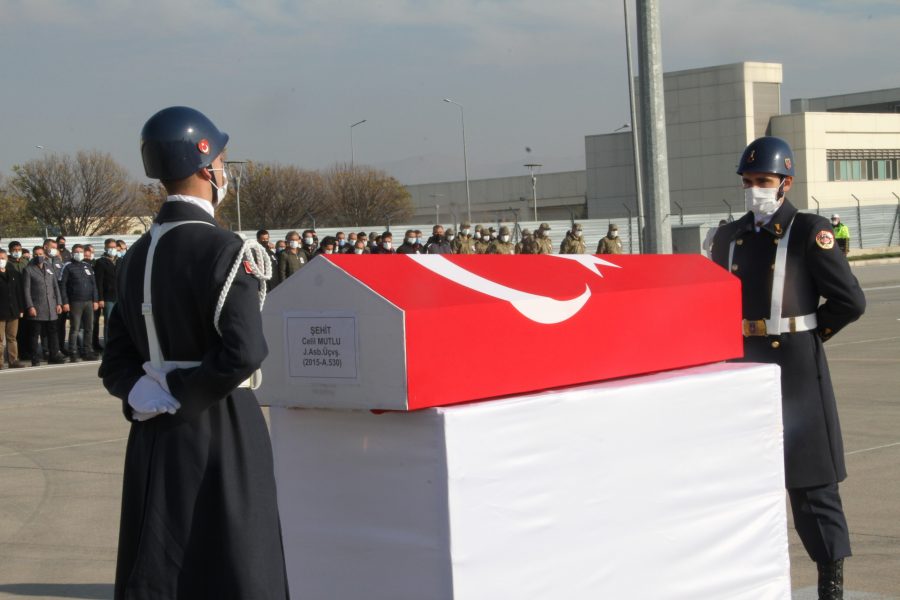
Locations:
213 184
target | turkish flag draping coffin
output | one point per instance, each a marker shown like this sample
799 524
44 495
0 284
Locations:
404 332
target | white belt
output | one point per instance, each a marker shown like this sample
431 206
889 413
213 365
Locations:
761 327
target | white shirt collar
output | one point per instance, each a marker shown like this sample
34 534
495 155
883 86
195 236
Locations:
204 204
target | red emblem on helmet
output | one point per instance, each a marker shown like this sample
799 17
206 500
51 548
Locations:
787 163
203 146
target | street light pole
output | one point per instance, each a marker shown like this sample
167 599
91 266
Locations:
462 118
531 167
238 190
635 146
351 140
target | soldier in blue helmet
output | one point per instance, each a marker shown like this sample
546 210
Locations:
788 262
199 512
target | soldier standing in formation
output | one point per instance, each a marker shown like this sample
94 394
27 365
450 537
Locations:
482 239
573 243
787 262
199 511
503 243
292 259
526 245
464 244
543 242
610 243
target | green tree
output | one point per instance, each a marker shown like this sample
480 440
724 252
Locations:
15 220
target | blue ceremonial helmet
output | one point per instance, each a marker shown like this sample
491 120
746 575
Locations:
767 154
179 141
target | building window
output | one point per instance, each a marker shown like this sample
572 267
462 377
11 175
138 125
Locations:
848 170
882 169
863 165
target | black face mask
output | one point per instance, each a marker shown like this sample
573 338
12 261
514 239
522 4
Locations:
38 260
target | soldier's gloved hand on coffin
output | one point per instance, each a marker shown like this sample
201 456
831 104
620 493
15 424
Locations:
159 375
148 399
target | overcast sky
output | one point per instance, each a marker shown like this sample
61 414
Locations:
287 78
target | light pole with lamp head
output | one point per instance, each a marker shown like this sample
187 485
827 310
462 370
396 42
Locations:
240 174
531 167
351 140
462 118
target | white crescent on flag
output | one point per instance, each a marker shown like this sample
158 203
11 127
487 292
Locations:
537 308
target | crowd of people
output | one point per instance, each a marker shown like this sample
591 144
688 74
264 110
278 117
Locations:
52 300
55 299
296 249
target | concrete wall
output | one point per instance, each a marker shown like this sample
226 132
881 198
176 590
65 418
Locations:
711 115
559 195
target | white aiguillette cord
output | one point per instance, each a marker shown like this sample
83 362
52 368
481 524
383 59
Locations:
251 254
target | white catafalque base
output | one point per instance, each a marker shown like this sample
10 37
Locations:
669 486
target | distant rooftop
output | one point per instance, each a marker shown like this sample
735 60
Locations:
878 101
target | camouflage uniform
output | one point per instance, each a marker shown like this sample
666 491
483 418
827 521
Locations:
463 244
498 246
527 244
573 243
543 242
610 244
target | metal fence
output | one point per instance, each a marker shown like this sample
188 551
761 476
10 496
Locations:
870 227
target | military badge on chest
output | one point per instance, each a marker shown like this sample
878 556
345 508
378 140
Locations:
825 240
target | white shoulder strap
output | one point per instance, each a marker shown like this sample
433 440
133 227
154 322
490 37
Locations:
156 232
778 282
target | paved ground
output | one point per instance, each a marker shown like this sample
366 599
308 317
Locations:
62 441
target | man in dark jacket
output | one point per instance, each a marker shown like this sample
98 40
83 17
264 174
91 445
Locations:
438 243
12 307
105 269
386 246
79 299
43 306
787 262
410 243
199 511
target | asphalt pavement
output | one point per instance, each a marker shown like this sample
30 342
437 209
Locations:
62 442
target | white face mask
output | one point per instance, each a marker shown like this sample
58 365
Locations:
111 251
341 243
465 231
327 251
294 243
53 252
121 253
504 238
450 238
578 233
77 256
763 202
486 237
221 190
2 263
358 250
308 241
17 255
387 245
411 240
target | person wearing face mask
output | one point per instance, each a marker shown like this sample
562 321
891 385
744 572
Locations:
438 242
482 239
17 260
503 244
464 244
841 234
328 246
420 245
262 238
12 309
385 245
54 259
79 298
360 247
526 245
199 512
542 239
610 243
43 305
292 259
310 244
788 263
122 246
64 253
573 243
106 269
410 243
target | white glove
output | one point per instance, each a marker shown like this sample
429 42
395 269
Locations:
148 399
159 375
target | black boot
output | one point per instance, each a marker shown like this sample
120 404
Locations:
831 580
